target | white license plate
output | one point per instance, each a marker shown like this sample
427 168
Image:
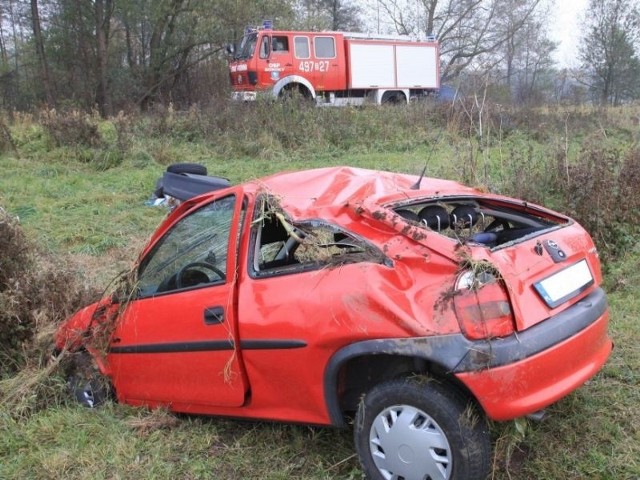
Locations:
566 284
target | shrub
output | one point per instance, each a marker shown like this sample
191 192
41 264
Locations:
36 292
601 193
72 129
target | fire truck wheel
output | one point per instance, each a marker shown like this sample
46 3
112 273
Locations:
418 428
294 93
393 98
193 168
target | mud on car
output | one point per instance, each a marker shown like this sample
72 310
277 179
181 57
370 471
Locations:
412 308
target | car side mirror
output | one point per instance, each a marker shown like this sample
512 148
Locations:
230 49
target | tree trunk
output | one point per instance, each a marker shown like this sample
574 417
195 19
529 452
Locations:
161 36
3 49
103 10
42 59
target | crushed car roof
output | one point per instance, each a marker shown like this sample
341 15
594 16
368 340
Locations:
306 192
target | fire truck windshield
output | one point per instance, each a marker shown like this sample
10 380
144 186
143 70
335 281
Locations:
247 46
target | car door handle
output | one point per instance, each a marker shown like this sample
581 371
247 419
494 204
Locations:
213 315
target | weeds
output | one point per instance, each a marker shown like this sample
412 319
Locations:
148 422
510 448
71 129
601 193
36 292
35 387
6 140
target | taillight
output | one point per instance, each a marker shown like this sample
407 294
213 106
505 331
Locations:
482 307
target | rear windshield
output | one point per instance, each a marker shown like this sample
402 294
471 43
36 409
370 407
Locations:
484 221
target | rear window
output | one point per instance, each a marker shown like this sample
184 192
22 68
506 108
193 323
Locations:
483 221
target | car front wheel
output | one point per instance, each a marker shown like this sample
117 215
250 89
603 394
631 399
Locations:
87 386
417 429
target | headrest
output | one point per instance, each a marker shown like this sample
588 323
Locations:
464 216
435 217
408 215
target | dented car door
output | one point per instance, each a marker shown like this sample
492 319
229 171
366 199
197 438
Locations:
176 341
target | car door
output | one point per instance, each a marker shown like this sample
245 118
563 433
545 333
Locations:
176 341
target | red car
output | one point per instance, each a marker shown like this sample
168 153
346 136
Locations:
418 305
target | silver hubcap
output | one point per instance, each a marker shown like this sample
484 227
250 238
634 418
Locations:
407 444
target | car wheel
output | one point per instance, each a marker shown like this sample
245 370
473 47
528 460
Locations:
416 428
193 168
86 384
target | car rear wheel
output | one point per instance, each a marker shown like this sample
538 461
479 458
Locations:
417 429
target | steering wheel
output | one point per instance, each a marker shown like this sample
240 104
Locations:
496 224
180 276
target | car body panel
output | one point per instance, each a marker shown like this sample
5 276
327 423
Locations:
536 382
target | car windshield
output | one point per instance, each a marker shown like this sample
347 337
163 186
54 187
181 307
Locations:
247 46
199 239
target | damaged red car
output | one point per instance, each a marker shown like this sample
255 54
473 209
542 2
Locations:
415 306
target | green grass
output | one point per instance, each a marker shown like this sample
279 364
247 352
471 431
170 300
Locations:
595 432
121 442
87 204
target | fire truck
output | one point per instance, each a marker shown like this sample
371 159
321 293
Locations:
333 68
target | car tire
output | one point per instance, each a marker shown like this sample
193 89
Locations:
416 428
193 168
86 384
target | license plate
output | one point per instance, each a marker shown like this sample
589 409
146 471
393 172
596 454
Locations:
566 284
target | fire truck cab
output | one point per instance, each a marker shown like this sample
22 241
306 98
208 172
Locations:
333 68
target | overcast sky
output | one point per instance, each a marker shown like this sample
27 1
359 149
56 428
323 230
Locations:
564 28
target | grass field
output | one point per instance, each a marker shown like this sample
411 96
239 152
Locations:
79 193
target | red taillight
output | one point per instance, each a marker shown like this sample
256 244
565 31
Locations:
483 309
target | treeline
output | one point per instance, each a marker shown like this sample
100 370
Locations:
112 55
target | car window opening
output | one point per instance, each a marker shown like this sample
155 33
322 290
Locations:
305 245
471 220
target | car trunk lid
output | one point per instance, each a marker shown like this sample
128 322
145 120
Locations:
546 274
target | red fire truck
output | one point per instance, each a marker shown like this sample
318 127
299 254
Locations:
333 68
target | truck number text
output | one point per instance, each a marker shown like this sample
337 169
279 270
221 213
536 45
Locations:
308 66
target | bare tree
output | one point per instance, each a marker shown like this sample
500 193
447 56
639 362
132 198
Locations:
527 49
329 15
468 30
609 50
103 10
110 54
